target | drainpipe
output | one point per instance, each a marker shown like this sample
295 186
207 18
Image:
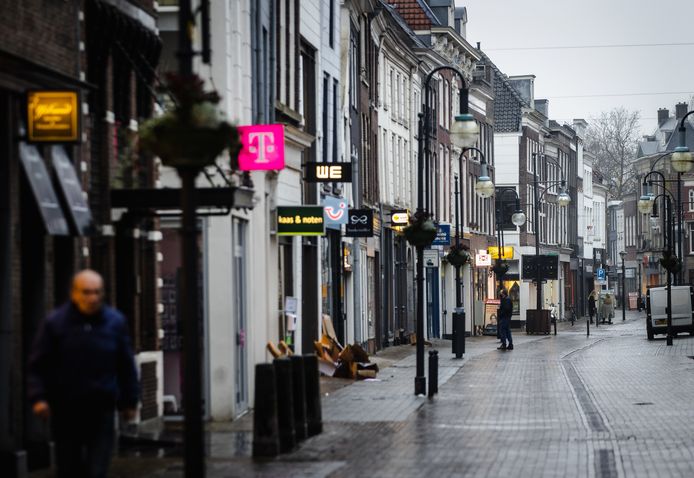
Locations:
356 247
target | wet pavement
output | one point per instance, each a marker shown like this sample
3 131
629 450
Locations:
609 405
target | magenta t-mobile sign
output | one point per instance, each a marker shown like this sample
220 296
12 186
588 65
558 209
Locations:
262 147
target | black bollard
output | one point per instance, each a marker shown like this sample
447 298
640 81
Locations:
433 372
588 327
266 441
314 421
299 385
285 404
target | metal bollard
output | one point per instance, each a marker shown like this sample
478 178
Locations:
299 385
433 372
314 421
285 404
458 342
266 441
588 327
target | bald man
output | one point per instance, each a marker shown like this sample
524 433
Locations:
81 369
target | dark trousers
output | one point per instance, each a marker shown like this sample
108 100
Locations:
83 440
505 331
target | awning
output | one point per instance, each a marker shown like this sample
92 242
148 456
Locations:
69 186
41 187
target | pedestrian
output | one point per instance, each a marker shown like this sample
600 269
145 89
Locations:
608 308
592 309
80 370
505 313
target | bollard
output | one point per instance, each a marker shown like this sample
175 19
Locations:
265 428
433 372
285 404
458 342
588 327
314 421
299 385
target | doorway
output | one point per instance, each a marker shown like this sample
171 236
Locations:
239 292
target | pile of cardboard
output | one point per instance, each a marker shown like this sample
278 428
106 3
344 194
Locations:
334 360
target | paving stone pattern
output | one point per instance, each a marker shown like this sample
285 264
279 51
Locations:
609 405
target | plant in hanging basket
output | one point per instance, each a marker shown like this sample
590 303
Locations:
421 231
670 262
500 268
458 256
193 133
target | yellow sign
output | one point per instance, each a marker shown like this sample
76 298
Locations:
507 252
400 217
52 116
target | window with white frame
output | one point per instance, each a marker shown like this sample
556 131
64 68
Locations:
691 237
691 200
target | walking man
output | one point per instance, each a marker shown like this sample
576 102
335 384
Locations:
505 312
81 369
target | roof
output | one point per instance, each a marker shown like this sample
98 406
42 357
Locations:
395 15
416 13
508 103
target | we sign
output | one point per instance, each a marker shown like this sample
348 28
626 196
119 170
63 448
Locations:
262 147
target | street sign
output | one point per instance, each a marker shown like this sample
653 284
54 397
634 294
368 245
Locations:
547 263
443 235
431 258
600 274
262 147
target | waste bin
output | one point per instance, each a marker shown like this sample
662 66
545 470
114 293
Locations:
458 342
538 321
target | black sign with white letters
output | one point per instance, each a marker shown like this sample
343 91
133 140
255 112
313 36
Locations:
360 223
328 172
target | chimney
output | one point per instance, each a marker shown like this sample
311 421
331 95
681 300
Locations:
460 18
680 110
542 106
663 115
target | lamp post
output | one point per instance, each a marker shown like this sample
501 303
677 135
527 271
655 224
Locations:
464 133
623 254
647 203
518 219
563 199
682 162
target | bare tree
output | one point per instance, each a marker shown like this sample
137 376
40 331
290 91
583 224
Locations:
613 137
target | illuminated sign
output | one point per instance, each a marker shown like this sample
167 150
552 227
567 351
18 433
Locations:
401 218
52 116
506 253
360 223
300 221
328 172
262 147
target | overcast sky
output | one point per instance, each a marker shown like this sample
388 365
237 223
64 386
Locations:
512 31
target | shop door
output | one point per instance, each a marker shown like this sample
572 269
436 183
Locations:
239 291
432 301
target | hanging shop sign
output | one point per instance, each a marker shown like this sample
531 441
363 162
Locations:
443 235
53 116
69 185
506 252
400 217
262 147
328 172
335 212
431 258
360 223
483 259
300 221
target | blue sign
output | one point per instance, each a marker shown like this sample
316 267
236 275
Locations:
335 212
443 235
600 274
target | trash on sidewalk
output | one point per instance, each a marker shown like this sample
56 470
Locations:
334 360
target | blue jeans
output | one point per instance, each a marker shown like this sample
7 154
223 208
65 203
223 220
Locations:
505 331
83 441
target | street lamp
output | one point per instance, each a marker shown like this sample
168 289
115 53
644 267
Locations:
669 260
518 219
563 199
464 133
623 254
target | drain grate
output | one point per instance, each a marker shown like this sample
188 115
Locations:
590 409
643 403
605 464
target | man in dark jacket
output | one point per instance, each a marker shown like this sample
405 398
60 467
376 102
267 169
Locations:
505 313
81 369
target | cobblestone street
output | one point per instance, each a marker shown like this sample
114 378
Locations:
609 405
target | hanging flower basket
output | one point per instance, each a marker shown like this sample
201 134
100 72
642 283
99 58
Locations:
421 231
670 262
193 133
457 256
500 268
